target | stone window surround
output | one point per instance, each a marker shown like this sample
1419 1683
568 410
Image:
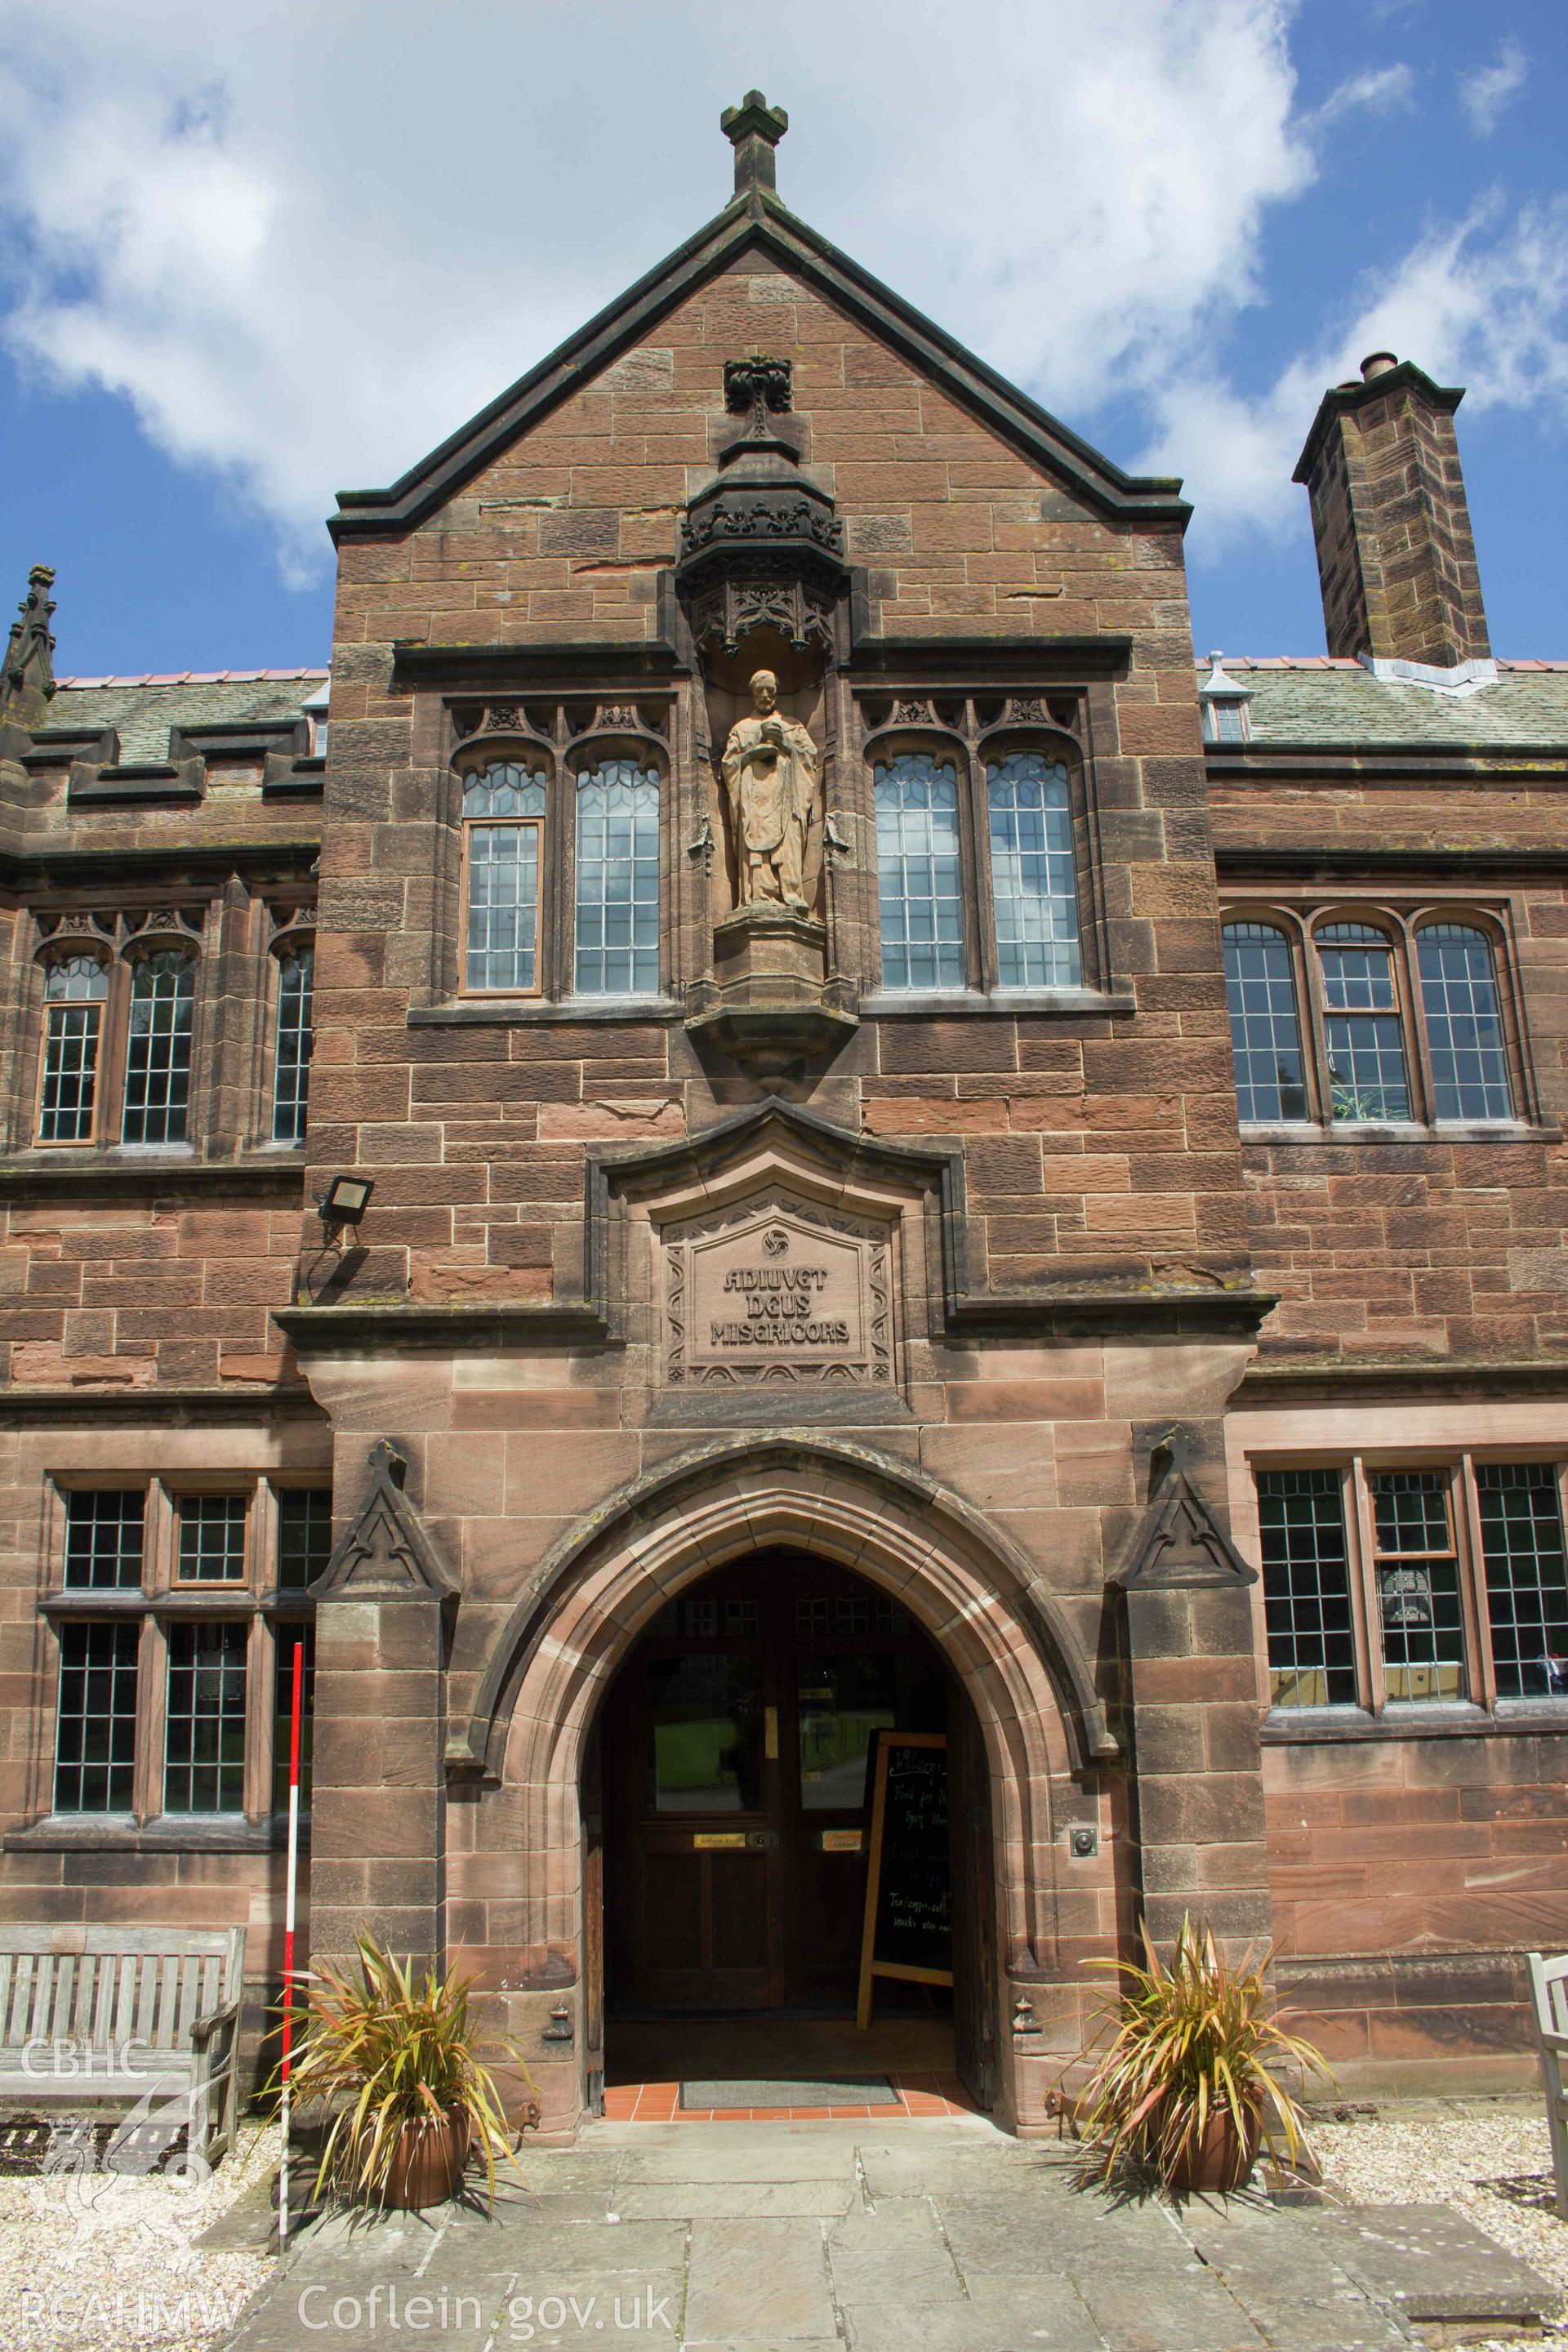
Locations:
118 935
563 754
562 723
954 728
160 1600
1481 1713
1300 918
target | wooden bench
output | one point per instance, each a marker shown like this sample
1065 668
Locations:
1549 1998
111 2019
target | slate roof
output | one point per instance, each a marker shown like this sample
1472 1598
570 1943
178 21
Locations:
143 710
1320 700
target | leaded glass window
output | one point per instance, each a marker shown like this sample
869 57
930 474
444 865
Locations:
75 988
1306 1588
617 880
212 1539
1418 1577
919 878
304 1534
95 1724
1033 886
503 813
158 1048
292 1068
104 1529
1265 1026
1464 1023
1367 1074
204 1739
1526 1576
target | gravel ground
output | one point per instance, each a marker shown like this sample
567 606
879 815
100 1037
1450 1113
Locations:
98 2259
1490 2159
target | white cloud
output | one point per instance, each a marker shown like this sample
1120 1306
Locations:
1483 303
1378 90
1485 94
311 256
307 240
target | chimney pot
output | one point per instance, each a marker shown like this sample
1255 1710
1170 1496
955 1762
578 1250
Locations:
1378 363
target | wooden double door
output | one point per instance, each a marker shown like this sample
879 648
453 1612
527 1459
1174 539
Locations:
733 1762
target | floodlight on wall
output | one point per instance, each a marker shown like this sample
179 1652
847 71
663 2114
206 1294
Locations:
343 1204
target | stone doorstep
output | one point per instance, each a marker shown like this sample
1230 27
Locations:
1436 2269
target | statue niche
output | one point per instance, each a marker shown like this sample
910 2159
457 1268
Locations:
762 577
772 787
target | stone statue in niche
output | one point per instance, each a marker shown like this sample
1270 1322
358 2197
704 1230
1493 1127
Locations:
771 773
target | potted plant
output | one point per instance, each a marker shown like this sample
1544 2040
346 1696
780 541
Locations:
1187 2082
391 2060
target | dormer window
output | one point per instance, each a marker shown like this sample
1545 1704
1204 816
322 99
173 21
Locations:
1224 703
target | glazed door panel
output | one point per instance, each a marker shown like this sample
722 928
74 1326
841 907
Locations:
734 1758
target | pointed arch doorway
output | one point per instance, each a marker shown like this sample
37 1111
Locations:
733 1766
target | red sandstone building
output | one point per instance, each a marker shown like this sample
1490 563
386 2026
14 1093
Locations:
1001 1184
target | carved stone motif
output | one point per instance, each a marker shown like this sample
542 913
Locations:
1179 1542
759 591
387 1554
27 678
777 1289
619 714
772 785
761 546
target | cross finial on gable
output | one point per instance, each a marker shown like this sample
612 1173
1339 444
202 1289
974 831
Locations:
753 129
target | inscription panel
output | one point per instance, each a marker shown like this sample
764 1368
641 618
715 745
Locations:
778 1289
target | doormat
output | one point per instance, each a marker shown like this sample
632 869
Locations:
848 2091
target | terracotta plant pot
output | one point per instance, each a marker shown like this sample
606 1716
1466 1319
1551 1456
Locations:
1223 2158
428 2163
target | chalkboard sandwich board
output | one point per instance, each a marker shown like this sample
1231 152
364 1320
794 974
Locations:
908 1931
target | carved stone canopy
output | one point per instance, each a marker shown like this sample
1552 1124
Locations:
761 547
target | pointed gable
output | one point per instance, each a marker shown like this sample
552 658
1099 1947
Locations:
758 233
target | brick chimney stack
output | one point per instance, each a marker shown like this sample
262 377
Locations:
1395 555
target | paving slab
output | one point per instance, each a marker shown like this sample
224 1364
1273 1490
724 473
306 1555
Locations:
758 2279
736 2199
1010 2318
1433 2265
892 2252
1175 2311
692 2152
776 2238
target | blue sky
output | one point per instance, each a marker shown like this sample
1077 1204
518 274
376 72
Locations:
249 259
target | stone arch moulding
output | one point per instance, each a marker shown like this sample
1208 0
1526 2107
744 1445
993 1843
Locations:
1013 1652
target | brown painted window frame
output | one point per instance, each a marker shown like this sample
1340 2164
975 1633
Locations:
1458 1466
1401 922
969 745
161 1601
63 951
